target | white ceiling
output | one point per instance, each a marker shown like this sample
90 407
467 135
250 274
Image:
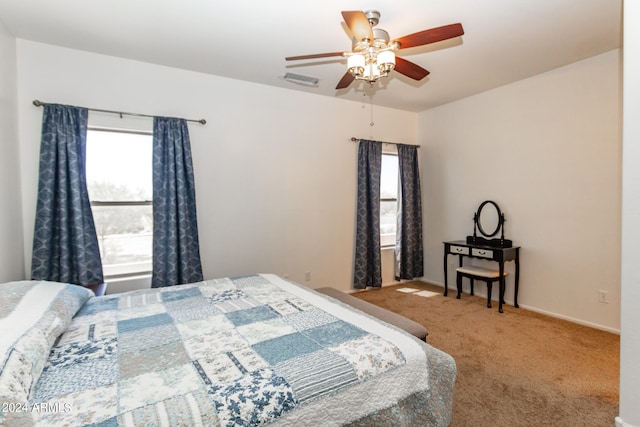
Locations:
504 40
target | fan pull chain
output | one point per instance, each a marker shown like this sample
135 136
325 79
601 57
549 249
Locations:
371 123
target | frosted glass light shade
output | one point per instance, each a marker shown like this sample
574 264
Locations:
386 61
355 64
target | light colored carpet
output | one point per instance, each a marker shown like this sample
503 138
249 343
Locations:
518 368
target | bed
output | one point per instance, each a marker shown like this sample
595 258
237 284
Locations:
247 350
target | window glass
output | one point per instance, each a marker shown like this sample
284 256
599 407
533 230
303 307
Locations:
119 165
119 181
388 199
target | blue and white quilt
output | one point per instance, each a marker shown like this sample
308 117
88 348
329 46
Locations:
234 351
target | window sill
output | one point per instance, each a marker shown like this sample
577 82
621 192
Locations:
118 284
126 276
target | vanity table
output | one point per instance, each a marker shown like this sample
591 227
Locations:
499 249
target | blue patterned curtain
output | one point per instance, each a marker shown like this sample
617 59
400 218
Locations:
176 251
65 245
409 254
368 266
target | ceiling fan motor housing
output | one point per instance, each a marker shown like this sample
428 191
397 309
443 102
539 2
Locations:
373 16
380 37
380 40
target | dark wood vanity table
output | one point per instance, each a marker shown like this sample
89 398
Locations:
489 221
462 248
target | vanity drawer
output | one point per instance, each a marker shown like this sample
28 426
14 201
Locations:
484 253
462 250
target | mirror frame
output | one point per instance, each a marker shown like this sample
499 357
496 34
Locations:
479 222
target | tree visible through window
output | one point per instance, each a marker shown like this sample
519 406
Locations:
119 181
388 199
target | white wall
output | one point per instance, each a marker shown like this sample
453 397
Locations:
630 336
11 244
275 170
548 150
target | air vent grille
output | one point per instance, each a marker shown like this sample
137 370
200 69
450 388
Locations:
299 78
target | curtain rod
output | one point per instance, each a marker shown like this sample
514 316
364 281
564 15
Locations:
38 103
354 139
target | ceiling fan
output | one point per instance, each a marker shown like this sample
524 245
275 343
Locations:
373 52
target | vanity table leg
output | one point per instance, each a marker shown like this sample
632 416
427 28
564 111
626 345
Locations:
446 288
502 286
517 278
460 262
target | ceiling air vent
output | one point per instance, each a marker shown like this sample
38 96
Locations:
300 79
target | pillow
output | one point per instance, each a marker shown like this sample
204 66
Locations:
33 314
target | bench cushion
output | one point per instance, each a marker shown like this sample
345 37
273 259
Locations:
479 271
414 328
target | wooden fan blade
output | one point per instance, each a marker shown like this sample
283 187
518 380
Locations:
430 36
345 81
358 24
409 69
314 56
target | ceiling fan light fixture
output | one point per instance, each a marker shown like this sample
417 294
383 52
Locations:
372 64
371 73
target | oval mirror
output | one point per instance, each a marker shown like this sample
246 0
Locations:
489 218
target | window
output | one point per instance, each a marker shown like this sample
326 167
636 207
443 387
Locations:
119 181
388 199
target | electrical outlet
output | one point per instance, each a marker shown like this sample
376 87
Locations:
603 296
307 276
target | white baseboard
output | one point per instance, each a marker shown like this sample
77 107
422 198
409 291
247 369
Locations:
620 423
537 310
571 319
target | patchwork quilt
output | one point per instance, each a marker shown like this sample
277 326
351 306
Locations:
234 351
